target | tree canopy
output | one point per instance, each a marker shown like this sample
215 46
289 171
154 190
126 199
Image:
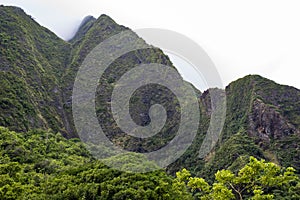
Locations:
44 165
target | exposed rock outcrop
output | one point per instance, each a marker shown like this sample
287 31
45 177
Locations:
266 123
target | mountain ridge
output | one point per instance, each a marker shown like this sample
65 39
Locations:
38 70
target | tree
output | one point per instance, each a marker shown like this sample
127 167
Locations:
257 180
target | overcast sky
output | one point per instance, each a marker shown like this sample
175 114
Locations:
241 37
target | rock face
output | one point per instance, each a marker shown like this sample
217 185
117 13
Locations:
265 123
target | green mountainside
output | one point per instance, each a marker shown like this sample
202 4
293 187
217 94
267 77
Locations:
37 73
32 62
262 119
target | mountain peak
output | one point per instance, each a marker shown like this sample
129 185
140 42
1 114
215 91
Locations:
87 19
103 22
85 25
252 77
10 11
105 17
13 8
106 21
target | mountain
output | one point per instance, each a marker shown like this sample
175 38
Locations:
85 25
262 119
33 60
38 71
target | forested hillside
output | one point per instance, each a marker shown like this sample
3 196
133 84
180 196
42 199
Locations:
43 165
32 61
45 159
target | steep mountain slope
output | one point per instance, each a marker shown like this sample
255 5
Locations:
37 73
262 119
32 61
269 114
91 33
44 67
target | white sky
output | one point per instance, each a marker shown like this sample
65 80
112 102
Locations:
241 37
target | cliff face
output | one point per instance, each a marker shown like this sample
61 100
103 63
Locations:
266 123
37 73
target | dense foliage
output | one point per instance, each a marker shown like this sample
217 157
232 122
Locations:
256 180
43 165
32 60
37 72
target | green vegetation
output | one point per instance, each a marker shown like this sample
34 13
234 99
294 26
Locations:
257 180
37 72
253 104
32 62
43 165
